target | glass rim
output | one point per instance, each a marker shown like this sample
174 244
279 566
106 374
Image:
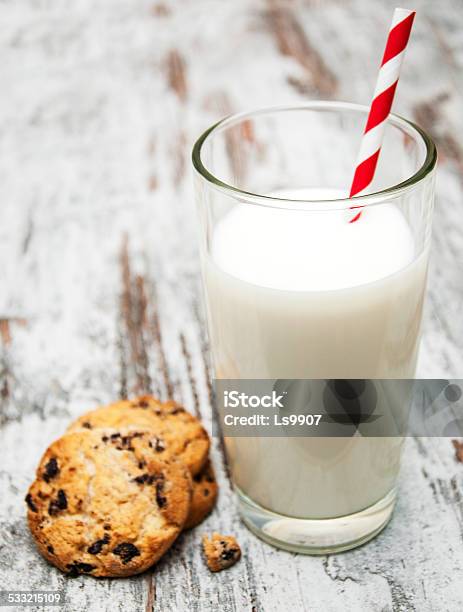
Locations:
377 197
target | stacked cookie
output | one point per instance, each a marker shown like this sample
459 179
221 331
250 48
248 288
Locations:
112 495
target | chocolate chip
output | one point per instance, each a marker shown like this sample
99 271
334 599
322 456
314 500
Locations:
96 547
62 500
176 410
114 436
60 503
229 554
141 464
145 479
51 470
51 550
77 567
87 425
157 444
143 404
160 498
125 444
107 527
104 438
126 551
30 503
205 492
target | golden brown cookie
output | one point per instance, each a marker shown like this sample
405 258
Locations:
179 433
107 506
205 490
220 551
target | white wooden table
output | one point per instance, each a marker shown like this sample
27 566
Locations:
100 102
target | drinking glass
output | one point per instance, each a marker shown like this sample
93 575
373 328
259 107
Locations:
311 494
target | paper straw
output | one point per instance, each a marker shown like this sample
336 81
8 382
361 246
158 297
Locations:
383 98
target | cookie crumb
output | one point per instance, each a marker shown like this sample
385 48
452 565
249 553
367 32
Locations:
221 551
458 446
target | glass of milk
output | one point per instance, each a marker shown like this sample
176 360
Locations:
295 291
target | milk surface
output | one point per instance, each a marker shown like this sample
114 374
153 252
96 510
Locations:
293 294
296 250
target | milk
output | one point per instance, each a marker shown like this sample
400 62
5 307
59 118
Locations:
293 294
300 251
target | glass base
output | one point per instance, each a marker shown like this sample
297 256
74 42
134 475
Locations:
316 536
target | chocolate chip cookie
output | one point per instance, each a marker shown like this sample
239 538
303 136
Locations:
106 505
220 551
178 433
205 490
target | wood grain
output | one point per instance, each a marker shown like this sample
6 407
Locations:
99 272
293 42
176 74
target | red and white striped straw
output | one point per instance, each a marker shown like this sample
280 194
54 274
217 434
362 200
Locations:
383 97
